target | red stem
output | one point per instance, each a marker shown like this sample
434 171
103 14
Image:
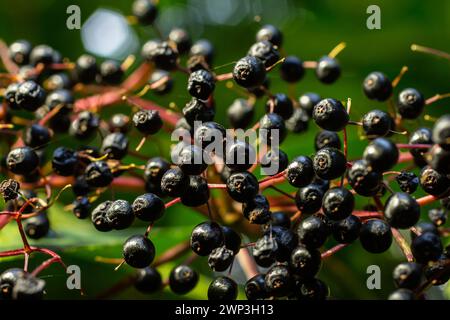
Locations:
333 250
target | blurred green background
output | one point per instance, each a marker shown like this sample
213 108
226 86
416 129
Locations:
311 29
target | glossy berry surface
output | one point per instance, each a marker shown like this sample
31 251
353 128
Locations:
292 69
312 232
382 154
98 174
148 280
410 103
300 171
407 275
147 121
330 114
138 251
255 288
183 279
201 84
346 230
329 163
375 236
222 288
280 104
376 123
196 193
29 96
22 160
148 207
305 262
205 237
242 186
426 247
256 210
249 72
327 138
119 215
407 181
328 70
338 203
401 210
174 182
308 199
377 86
278 280
265 51
270 33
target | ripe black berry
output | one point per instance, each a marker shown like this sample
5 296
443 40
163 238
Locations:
222 288
441 131
193 160
376 123
422 227
174 182
10 95
29 96
203 48
22 160
98 216
328 70
265 51
255 288
329 163
410 103
382 154
312 232
240 113
98 174
407 275
300 171
439 159
239 155
86 69
81 207
145 11
38 226
19 52
37 136
181 39
407 181
377 86
438 216
426 247
346 230
162 54
330 114
201 84
183 279
147 121
119 215
338 203
270 33
220 259
280 219
148 280
420 136
28 287
298 122
8 280
242 186
197 192
286 241
363 179
307 102
437 271
197 110
64 161
292 69
256 210
155 168
249 72
274 162
401 210
208 133
148 207
433 182
111 72
85 125
308 199
375 236
115 145
327 138
138 251
280 104
272 129
278 281
42 54
305 262
232 239
205 237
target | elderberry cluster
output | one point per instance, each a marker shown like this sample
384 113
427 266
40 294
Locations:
286 236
